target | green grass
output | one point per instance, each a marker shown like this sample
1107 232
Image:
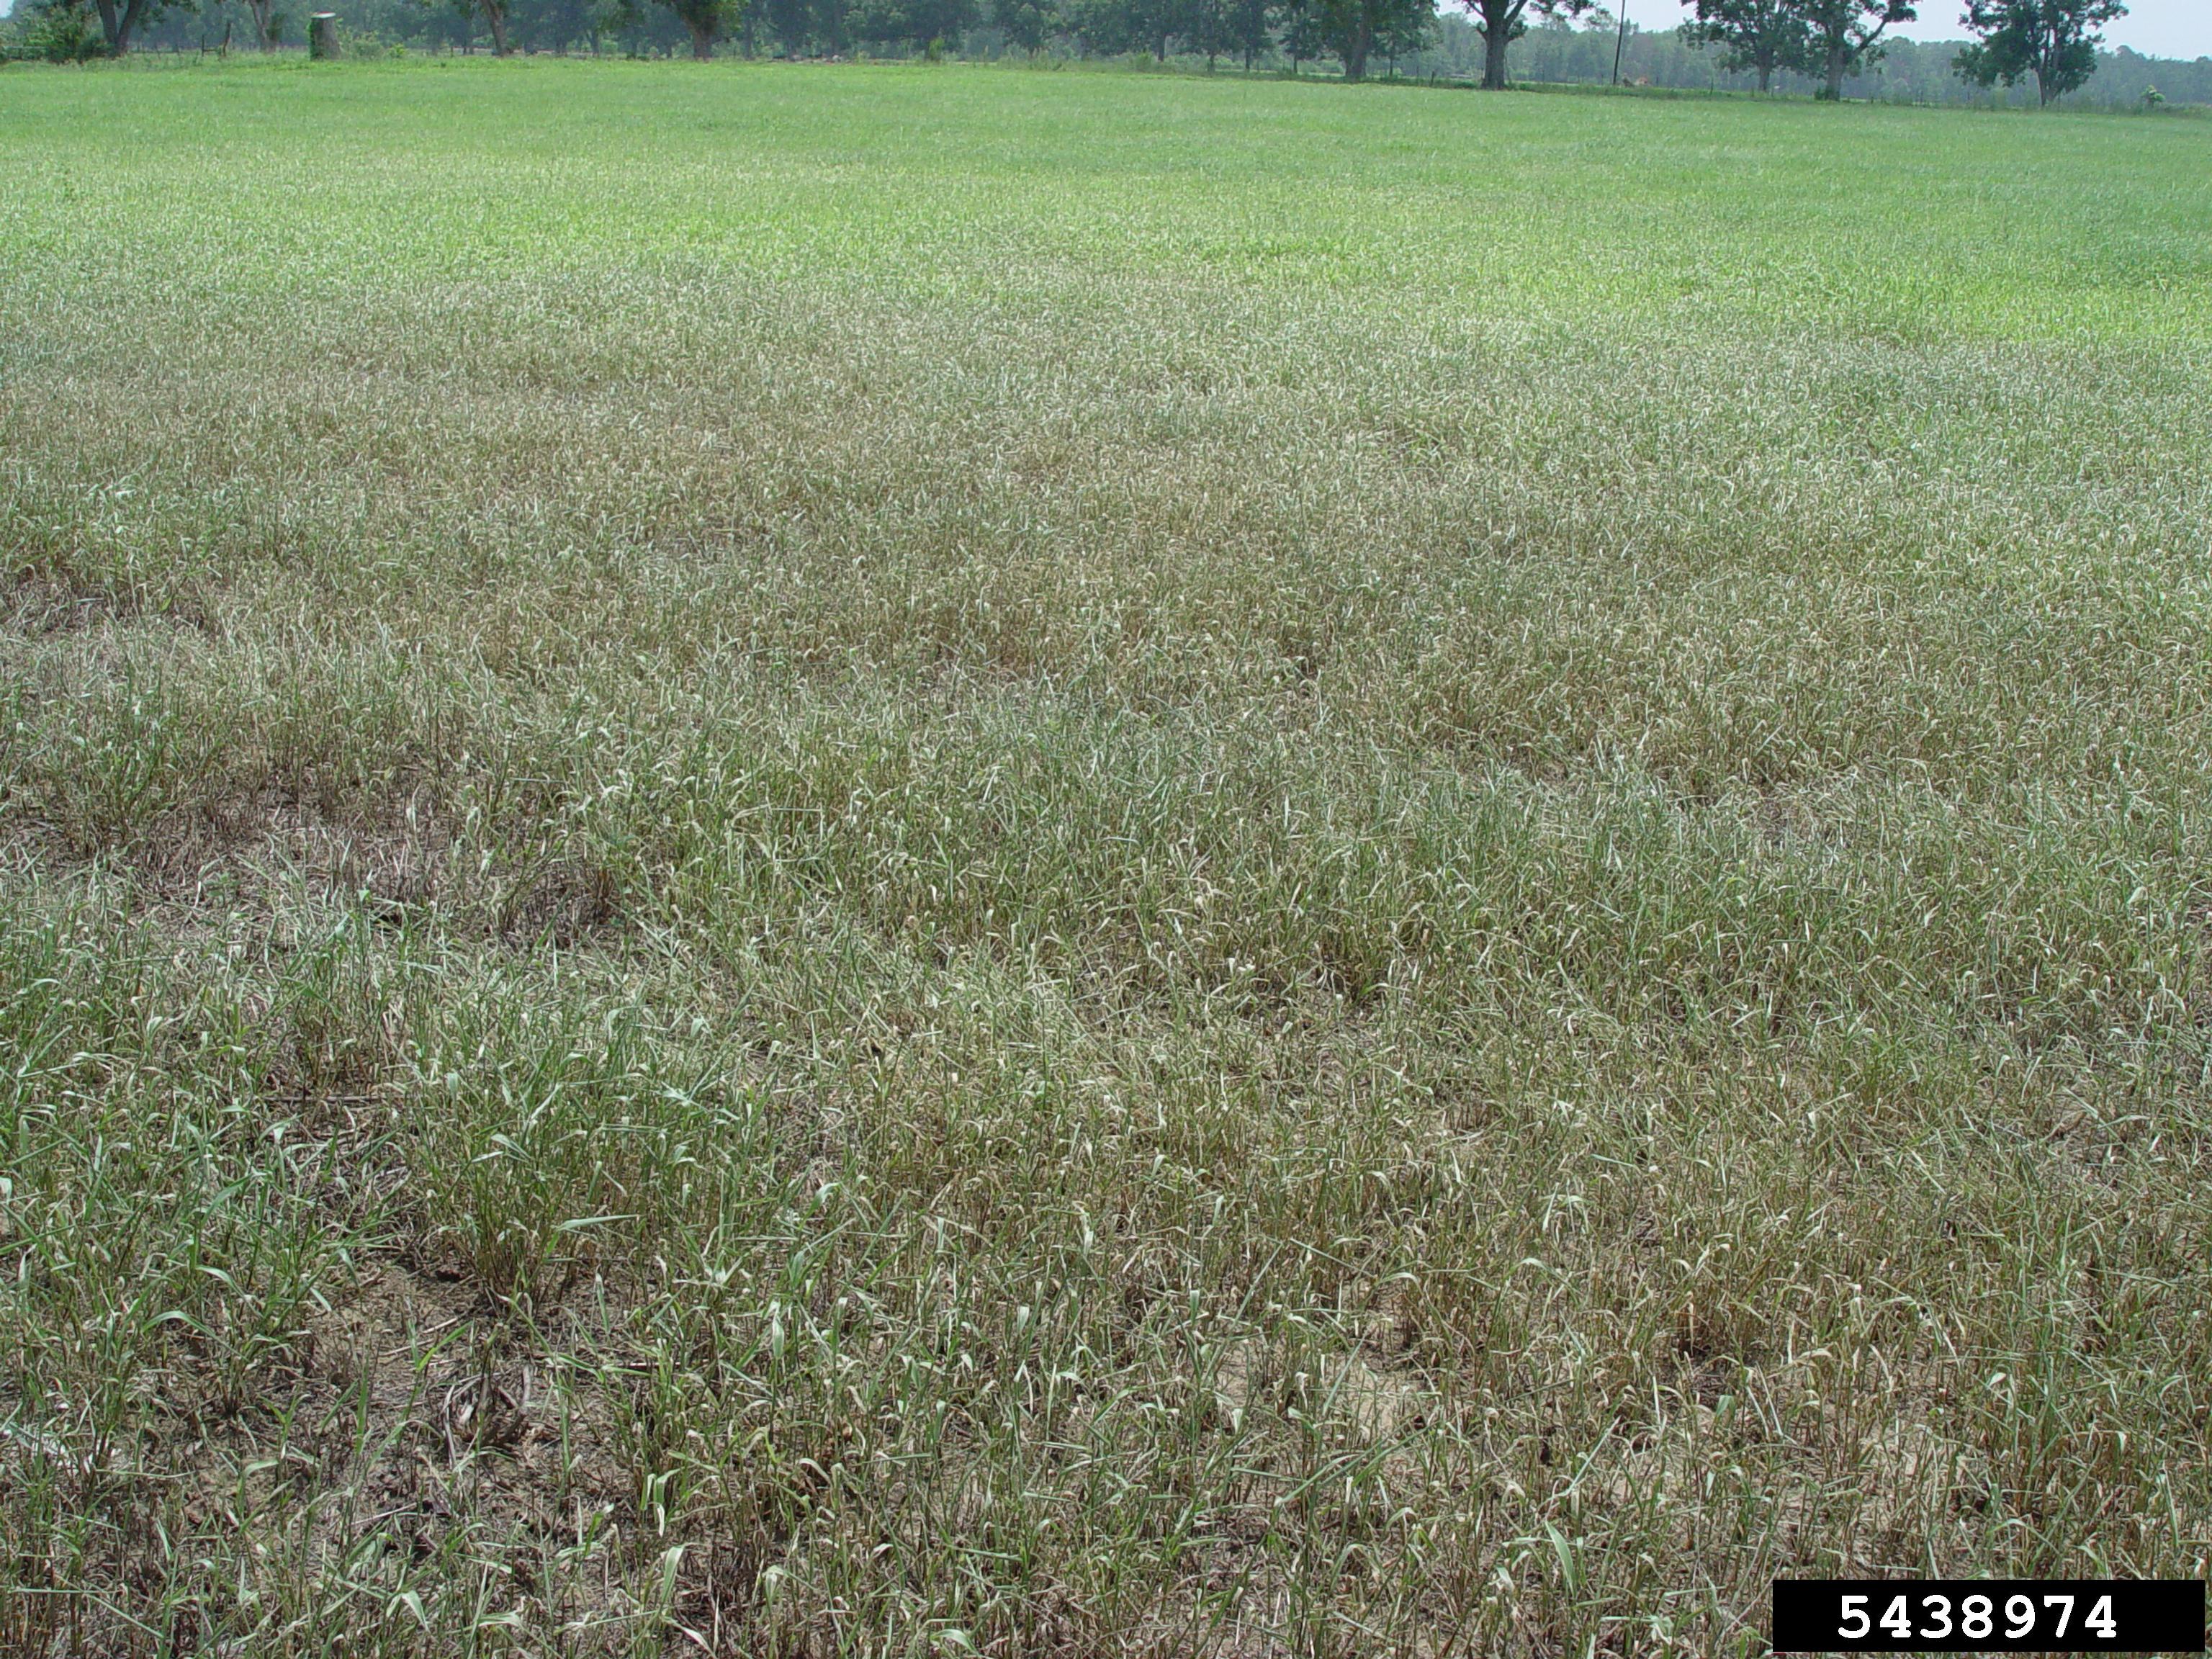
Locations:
911 862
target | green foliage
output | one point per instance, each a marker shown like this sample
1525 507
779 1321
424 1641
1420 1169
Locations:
1355 30
1760 36
1298 36
1501 22
2052 41
1246 28
704 20
1842 38
915 21
59 32
1907 71
1026 24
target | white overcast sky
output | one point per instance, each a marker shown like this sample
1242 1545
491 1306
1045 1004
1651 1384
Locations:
2162 28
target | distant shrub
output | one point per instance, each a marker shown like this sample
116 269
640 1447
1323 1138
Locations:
369 44
62 31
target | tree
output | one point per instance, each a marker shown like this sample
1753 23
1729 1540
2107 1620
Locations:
1151 22
1761 35
1301 40
1247 27
790 21
1501 22
1845 36
119 23
267 25
913 22
1404 31
2054 40
494 14
1206 29
704 19
624 19
555 25
1099 25
1027 24
1347 29
61 31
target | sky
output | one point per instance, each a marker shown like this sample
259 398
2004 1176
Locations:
2157 28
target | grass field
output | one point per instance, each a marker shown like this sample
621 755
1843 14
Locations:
901 862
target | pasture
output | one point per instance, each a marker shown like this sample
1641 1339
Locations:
906 860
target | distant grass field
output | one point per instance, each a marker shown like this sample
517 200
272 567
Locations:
811 860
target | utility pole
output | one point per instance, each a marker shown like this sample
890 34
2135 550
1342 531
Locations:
1618 41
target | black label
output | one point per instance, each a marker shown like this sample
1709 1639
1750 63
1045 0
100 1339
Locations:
1989 1615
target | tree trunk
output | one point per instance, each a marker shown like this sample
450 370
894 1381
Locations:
322 35
1160 49
703 41
1355 54
496 13
119 25
1835 71
1493 55
1767 76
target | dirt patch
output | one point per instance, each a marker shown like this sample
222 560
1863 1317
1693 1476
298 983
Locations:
411 1426
564 903
265 853
37 604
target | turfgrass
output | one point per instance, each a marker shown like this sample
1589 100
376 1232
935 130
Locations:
896 861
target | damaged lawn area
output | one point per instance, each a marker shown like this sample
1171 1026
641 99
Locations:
803 859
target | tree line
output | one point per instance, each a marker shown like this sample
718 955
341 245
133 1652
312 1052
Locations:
2049 44
1910 70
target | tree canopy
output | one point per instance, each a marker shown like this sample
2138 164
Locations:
2054 42
1843 36
1501 22
1758 36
